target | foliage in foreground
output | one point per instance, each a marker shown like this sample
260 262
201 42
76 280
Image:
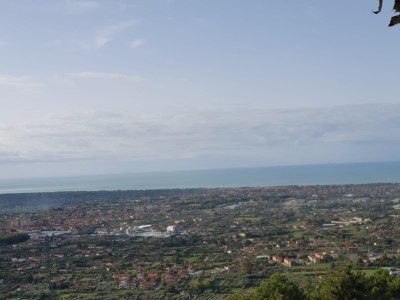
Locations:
395 19
344 284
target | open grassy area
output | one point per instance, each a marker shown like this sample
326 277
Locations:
71 247
248 218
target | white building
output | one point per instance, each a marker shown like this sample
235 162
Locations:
172 230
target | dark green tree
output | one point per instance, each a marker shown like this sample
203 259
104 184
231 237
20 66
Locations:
278 287
379 285
13 238
344 284
394 287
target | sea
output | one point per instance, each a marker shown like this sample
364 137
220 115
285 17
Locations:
328 174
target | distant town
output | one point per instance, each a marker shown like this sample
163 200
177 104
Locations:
192 243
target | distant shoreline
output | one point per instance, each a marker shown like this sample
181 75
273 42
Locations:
327 174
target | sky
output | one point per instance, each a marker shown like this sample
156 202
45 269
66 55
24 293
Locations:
124 86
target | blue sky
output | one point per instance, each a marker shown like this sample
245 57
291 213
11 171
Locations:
115 86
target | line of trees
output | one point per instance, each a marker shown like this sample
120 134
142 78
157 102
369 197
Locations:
13 238
343 284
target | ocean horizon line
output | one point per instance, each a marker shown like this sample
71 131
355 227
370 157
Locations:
310 174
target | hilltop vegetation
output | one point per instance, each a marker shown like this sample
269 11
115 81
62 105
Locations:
341 284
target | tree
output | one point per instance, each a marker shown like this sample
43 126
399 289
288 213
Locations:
384 286
379 285
343 284
278 287
245 265
170 289
13 238
394 286
200 285
395 19
238 296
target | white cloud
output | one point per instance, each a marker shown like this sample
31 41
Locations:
106 35
137 43
298 136
101 41
21 83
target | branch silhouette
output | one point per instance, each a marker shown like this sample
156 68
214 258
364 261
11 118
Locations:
395 19
379 7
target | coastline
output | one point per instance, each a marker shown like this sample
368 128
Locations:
332 174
